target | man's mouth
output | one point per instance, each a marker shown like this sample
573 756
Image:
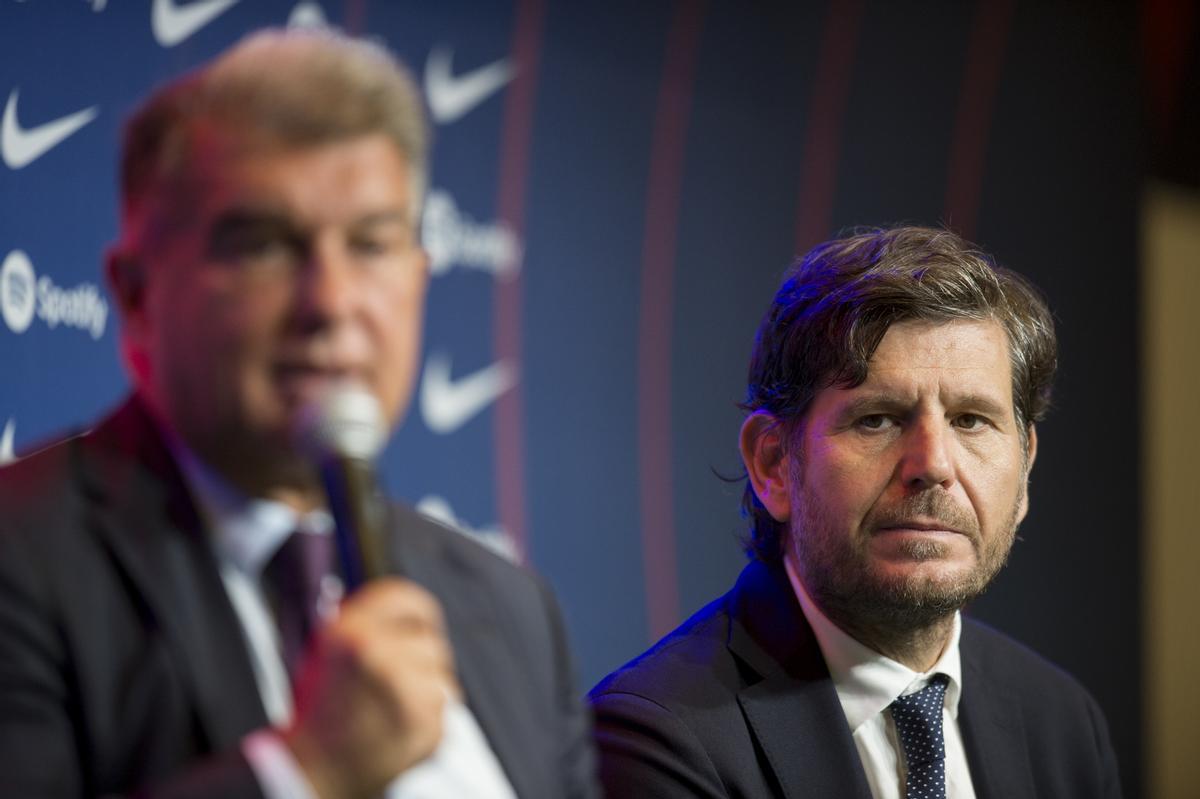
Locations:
918 526
925 515
299 381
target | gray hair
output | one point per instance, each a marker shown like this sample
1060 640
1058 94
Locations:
294 87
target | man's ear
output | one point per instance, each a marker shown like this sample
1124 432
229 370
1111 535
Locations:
127 276
761 443
1030 456
425 263
126 273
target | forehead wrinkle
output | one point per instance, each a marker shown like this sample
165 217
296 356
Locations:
955 347
282 215
894 386
944 356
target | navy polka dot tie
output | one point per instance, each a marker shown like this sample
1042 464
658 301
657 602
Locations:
918 720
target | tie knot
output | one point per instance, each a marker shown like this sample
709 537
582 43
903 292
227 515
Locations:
920 703
300 562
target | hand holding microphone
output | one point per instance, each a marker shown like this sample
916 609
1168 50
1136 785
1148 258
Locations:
371 695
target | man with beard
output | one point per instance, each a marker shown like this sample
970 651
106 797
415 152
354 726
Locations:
893 393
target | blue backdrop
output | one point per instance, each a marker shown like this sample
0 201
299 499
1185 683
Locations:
616 190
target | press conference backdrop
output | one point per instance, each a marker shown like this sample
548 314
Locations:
617 187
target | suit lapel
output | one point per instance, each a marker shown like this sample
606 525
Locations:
803 733
491 674
993 729
792 707
150 525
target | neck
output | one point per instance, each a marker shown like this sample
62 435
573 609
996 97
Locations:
917 648
293 484
289 480
301 500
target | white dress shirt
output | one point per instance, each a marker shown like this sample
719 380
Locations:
245 535
867 683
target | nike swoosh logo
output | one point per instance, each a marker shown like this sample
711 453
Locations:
22 146
447 404
6 443
493 536
451 97
173 22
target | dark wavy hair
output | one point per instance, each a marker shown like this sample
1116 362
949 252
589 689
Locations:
837 302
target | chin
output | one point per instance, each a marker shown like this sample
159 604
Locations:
946 586
940 570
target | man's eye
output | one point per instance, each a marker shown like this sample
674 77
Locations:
969 421
874 421
379 240
370 245
263 248
250 248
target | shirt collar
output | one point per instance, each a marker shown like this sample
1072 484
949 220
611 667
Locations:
246 531
866 681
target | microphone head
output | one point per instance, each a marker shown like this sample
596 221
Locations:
343 422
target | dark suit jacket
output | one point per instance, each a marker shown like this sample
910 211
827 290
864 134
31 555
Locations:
123 666
738 702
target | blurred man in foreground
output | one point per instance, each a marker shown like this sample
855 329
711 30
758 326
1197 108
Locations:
893 392
148 622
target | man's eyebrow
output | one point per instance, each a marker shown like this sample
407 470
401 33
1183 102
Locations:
874 402
982 403
384 217
244 217
878 402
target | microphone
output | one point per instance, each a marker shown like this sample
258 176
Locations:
343 430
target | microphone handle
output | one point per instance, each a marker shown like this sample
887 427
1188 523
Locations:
357 508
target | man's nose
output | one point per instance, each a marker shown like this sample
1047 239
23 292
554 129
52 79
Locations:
928 454
326 285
